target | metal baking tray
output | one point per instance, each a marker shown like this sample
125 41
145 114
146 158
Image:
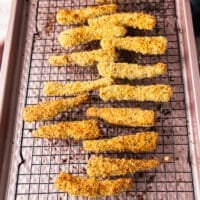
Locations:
29 166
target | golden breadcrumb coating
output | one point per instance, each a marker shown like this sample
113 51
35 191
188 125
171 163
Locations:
67 17
107 1
137 20
84 58
156 93
90 187
155 45
77 87
101 167
84 34
48 110
130 71
78 130
123 116
140 142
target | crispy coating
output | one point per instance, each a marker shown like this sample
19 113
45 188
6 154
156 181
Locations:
101 167
137 20
107 1
84 34
78 87
67 17
130 71
48 110
84 58
123 116
78 130
90 187
140 142
156 93
155 45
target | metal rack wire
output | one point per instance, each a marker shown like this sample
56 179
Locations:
43 159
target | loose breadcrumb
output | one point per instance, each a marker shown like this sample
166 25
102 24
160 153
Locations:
101 167
48 110
166 158
78 87
78 130
67 17
130 71
84 34
90 187
123 116
84 58
145 45
140 142
156 93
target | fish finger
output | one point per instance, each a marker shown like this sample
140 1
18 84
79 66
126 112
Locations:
101 167
77 87
78 130
79 16
140 142
48 110
123 116
90 187
137 20
130 71
155 45
84 34
84 58
155 93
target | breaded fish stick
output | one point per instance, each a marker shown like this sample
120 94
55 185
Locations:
78 87
123 116
141 142
84 34
130 71
137 20
101 167
84 58
67 17
78 130
156 93
90 187
145 45
48 110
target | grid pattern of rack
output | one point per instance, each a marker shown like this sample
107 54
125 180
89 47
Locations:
44 159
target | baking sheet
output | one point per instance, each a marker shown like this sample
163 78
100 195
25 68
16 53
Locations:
39 161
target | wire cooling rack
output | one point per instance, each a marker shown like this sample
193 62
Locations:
42 159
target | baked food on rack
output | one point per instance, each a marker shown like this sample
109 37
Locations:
130 71
79 16
123 116
84 58
140 142
156 93
155 45
84 34
78 130
102 167
49 109
77 87
90 187
137 20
